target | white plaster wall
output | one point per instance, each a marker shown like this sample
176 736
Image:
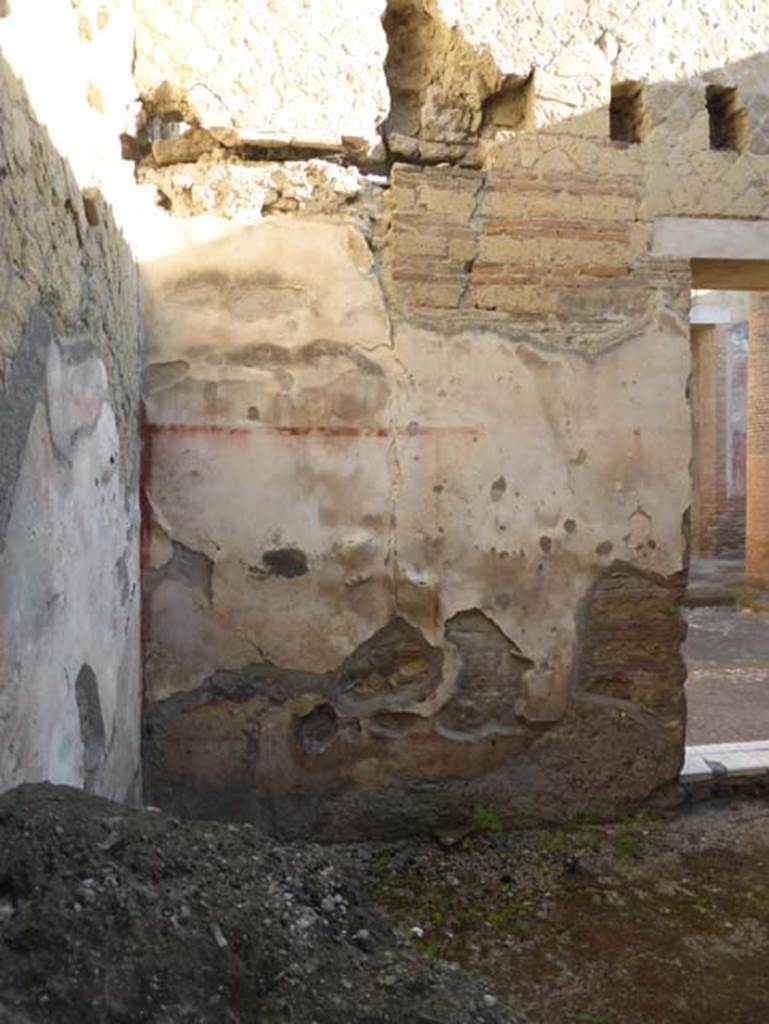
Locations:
302 71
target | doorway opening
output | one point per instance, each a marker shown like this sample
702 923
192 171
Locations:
727 603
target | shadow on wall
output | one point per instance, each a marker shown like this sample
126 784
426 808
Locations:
69 367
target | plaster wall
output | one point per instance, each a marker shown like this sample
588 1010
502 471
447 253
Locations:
416 480
69 391
308 491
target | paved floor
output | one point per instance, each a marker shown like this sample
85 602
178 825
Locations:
715 581
727 655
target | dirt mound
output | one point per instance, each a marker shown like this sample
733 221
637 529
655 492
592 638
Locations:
109 914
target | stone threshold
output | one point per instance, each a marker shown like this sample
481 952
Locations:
719 762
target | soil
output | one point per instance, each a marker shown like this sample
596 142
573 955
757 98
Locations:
644 922
114 915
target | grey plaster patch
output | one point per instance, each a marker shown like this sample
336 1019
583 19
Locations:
258 681
186 565
267 354
491 685
92 733
160 376
123 578
76 370
19 397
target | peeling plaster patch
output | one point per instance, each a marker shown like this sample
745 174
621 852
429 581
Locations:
543 432
491 687
393 669
185 565
287 562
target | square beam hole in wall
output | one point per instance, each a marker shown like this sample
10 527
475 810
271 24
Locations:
627 112
729 124
512 107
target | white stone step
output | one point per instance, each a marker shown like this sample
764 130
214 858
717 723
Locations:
725 760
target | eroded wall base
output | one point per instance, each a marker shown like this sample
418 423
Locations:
403 738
